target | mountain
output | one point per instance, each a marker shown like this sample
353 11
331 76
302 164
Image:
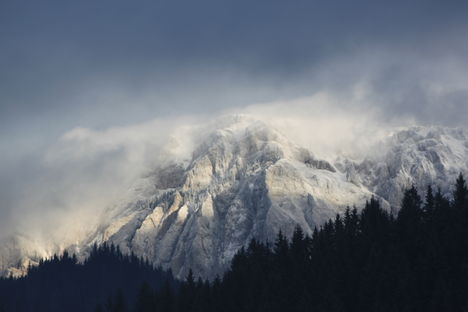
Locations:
419 156
245 179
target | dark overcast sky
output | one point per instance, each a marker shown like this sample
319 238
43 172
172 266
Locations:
85 62
103 63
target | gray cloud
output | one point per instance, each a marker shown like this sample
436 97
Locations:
99 64
60 58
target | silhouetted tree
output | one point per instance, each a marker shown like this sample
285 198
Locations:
460 194
365 261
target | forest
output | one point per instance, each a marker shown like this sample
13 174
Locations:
363 260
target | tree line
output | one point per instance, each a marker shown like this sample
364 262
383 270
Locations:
63 284
372 260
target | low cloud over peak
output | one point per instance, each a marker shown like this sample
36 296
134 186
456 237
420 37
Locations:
90 91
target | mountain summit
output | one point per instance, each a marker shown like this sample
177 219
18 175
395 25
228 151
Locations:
242 181
246 180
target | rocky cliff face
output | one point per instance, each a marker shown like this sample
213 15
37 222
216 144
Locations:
241 182
247 180
420 156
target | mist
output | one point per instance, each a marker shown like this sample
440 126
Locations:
93 96
85 172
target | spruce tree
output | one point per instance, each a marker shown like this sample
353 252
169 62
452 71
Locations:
460 194
410 214
429 203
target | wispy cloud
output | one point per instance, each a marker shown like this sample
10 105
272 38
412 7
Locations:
91 91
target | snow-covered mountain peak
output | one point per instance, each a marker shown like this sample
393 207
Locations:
244 180
417 155
253 141
222 183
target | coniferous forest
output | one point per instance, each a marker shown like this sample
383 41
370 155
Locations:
107 277
415 260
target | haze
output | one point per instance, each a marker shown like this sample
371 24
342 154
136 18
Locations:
89 91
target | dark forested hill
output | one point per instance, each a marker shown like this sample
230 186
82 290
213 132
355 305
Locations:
416 260
62 284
